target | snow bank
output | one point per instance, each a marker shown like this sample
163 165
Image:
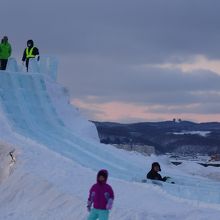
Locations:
46 185
7 160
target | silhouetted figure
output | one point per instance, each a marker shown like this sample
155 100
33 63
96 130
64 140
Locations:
154 175
5 52
30 52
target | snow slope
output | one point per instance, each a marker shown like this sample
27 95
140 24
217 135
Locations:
58 155
32 113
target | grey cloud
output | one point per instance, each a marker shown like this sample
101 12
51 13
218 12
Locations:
102 43
122 30
99 77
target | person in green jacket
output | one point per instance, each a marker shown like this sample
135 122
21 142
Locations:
5 52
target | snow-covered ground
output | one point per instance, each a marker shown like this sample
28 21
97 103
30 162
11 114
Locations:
201 133
57 156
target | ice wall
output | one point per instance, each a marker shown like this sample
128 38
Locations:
48 66
35 107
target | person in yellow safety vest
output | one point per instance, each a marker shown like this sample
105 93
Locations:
30 52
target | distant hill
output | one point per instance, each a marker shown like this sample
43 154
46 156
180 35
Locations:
181 137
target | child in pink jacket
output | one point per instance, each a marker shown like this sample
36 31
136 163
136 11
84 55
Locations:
101 196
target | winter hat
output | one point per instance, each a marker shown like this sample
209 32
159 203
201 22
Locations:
156 164
5 39
103 173
30 42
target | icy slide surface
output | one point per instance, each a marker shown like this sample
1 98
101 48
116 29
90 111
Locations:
194 188
27 102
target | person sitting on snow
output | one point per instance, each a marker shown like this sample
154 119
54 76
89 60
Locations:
154 175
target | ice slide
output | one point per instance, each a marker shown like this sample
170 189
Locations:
27 105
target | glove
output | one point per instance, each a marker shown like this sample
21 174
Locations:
109 204
166 178
89 204
90 201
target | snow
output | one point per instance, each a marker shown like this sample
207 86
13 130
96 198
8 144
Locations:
201 133
58 154
7 161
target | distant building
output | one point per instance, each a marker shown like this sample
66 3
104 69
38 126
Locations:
177 120
144 149
215 157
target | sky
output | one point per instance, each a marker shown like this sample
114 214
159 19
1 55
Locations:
127 60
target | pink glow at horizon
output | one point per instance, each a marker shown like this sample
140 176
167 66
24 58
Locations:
200 63
128 112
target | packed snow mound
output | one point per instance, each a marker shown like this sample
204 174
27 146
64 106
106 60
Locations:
46 185
7 160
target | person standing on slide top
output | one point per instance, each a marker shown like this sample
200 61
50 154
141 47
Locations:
30 52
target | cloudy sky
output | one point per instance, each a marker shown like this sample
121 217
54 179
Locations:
127 60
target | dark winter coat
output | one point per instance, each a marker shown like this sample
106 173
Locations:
155 176
35 53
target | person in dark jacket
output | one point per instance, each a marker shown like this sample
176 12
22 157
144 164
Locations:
5 52
30 52
154 175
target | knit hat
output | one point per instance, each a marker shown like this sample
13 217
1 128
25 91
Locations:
5 39
156 164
